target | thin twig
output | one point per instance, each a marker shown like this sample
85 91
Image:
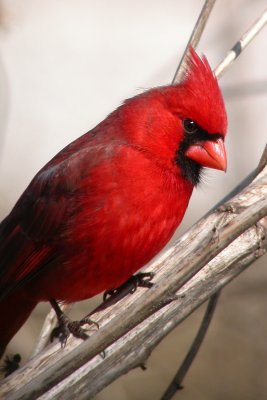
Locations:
194 38
175 385
193 41
242 43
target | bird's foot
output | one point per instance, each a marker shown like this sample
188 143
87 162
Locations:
142 279
11 364
66 326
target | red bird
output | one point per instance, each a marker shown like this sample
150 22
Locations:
111 200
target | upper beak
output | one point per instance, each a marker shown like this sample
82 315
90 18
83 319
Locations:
209 154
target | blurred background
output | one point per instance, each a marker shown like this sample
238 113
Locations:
64 65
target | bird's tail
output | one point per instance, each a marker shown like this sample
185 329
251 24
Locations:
16 301
14 310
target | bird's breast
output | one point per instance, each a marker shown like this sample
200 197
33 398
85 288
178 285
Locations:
128 215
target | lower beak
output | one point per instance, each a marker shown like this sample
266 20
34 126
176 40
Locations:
209 154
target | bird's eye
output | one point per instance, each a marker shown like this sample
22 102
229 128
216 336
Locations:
190 126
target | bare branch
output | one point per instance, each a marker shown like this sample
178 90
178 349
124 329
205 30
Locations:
194 38
242 43
175 385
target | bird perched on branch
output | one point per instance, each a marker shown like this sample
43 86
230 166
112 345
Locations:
111 200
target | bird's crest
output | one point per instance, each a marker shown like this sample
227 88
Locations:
202 95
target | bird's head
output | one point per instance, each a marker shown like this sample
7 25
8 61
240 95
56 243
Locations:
183 126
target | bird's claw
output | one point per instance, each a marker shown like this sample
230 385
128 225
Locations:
142 279
61 332
67 326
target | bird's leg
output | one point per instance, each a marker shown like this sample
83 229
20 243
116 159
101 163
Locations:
142 279
66 326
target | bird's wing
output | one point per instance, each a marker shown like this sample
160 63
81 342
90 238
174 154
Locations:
28 236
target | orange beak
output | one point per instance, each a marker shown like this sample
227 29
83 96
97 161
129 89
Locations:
209 154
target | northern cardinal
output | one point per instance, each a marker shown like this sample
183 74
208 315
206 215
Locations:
111 200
